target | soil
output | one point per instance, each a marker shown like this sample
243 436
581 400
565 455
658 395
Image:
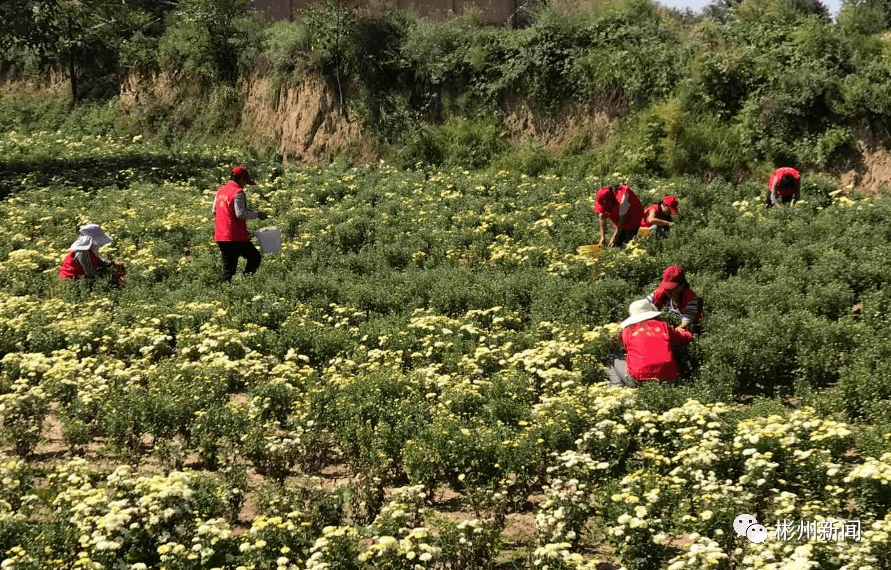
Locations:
571 125
868 168
306 122
52 83
518 535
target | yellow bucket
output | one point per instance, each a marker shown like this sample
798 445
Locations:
644 232
588 250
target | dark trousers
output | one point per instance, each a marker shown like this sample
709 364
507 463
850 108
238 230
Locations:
660 231
781 199
625 236
232 250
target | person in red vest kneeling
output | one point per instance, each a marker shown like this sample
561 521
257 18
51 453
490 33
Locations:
623 208
230 224
658 216
784 187
649 346
83 259
680 298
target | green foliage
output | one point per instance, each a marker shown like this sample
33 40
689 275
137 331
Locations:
285 45
432 327
210 41
84 38
748 84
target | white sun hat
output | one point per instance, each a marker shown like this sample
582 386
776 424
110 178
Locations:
91 237
639 311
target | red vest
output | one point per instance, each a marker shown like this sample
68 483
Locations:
227 226
635 211
71 269
778 175
648 346
644 223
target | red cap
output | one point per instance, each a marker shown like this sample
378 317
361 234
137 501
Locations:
672 203
241 172
604 200
673 277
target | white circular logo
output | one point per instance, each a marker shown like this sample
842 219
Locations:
743 522
756 533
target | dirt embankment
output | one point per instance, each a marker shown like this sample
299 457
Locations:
870 167
572 125
54 82
306 122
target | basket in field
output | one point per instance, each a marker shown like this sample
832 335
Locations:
592 250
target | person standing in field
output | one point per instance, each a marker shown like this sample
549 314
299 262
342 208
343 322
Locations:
623 208
230 224
83 259
675 292
649 344
784 187
658 216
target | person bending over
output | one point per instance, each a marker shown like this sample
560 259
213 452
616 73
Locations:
623 208
649 344
675 292
784 187
83 259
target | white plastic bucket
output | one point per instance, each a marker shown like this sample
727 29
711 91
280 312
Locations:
270 239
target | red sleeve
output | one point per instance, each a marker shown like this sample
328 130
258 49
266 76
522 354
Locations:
679 336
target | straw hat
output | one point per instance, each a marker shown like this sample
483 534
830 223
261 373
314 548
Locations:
640 311
91 237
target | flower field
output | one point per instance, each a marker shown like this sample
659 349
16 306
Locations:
414 382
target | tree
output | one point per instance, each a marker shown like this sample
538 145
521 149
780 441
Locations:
865 17
80 36
723 11
210 40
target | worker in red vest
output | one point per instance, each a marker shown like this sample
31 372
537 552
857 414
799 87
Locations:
623 208
658 216
680 298
83 259
649 344
230 229
784 186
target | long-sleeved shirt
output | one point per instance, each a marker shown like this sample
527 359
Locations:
691 305
90 272
776 193
240 205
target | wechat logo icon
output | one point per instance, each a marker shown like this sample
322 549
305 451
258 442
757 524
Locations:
747 526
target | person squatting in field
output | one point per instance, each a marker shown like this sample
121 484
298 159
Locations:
230 224
648 344
681 299
83 259
623 208
658 216
784 187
